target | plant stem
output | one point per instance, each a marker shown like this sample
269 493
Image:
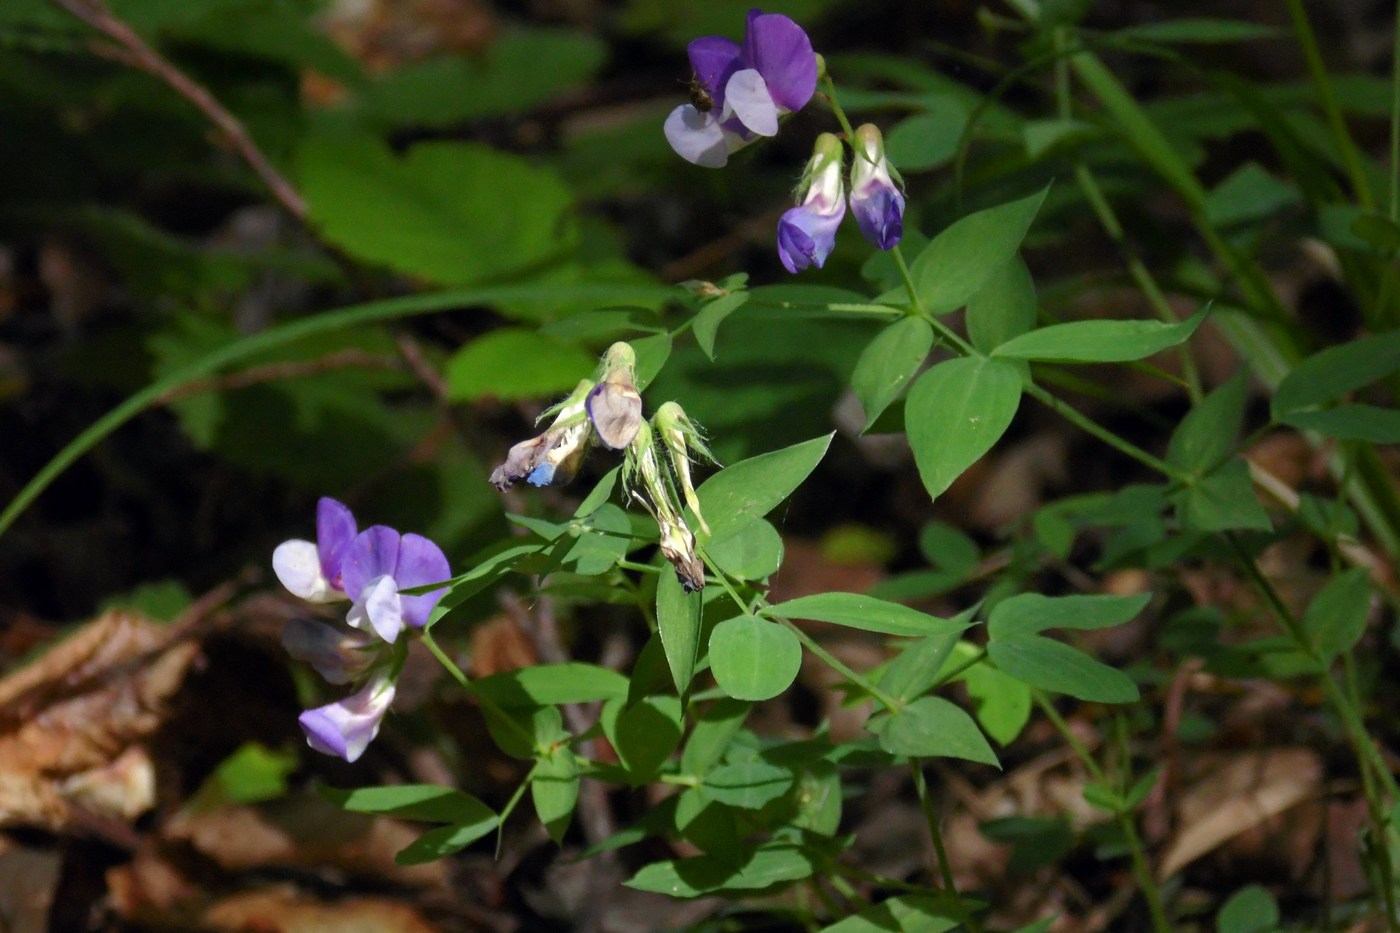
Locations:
1146 883
831 661
944 867
836 109
1089 426
915 302
466 684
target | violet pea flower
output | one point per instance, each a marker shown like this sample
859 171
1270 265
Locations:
314 571
807 233
345 728
746 88
876 202
339 656
378 564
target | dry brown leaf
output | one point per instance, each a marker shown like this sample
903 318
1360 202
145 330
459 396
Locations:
72 722
1236 795
282 911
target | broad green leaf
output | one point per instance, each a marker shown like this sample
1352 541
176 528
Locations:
519 70
1249 910
1059 668
1003 308
710 825
643 734
1099 341
443 841
548 684
908 913
1335 371
916 667
929 139
1249 194
955 413
1198 30
747 784
1222 500
1032 613
752 488
754 659
932 727
1206 436
652 354
1003 703
251 774
453 213
520 731
711 734
1336 618
678 623
888 363
600 494
818 799
513 363
864 612
753 553
554 789
1350 422
948 547
712 314
427 802
772 863
959 261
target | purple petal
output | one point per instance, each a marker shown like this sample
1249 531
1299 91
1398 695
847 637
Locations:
337 655
346 728
747 97
697 137
420 561
714 59
616 412
880 215
806 236
335 529
373 553
781 52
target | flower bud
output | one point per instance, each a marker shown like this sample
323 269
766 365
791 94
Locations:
614 405
807 233
876 202
683 440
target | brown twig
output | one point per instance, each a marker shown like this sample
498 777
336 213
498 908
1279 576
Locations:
132 50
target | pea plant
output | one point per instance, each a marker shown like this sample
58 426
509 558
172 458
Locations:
655 486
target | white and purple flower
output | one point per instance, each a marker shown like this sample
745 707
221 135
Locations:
876 201
745 88
807 233
369 568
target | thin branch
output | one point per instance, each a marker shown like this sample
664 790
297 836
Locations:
132 50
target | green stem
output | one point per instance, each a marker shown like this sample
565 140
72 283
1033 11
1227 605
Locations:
466 684
944 867
1084 423
831 661
1146 883
1318 71
836 108
914 301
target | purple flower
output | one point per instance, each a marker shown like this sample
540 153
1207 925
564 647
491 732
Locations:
875 200
314 571
807 233
378 564
338 656
554 456
345 728
745 88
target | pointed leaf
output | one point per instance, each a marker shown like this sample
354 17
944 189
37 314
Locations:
678 622
1004 308
752 488
932 727
959 261
888 363
955 413
1099 341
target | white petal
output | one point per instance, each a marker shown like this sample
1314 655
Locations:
697 137
747 96
298 565
383 608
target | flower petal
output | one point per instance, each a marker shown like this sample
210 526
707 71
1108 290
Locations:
346 728
713 59
616 412
373 553
781 52
335 529
746 97
298 566
337 655
378 607
697 137
879 213
807 235
420 561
